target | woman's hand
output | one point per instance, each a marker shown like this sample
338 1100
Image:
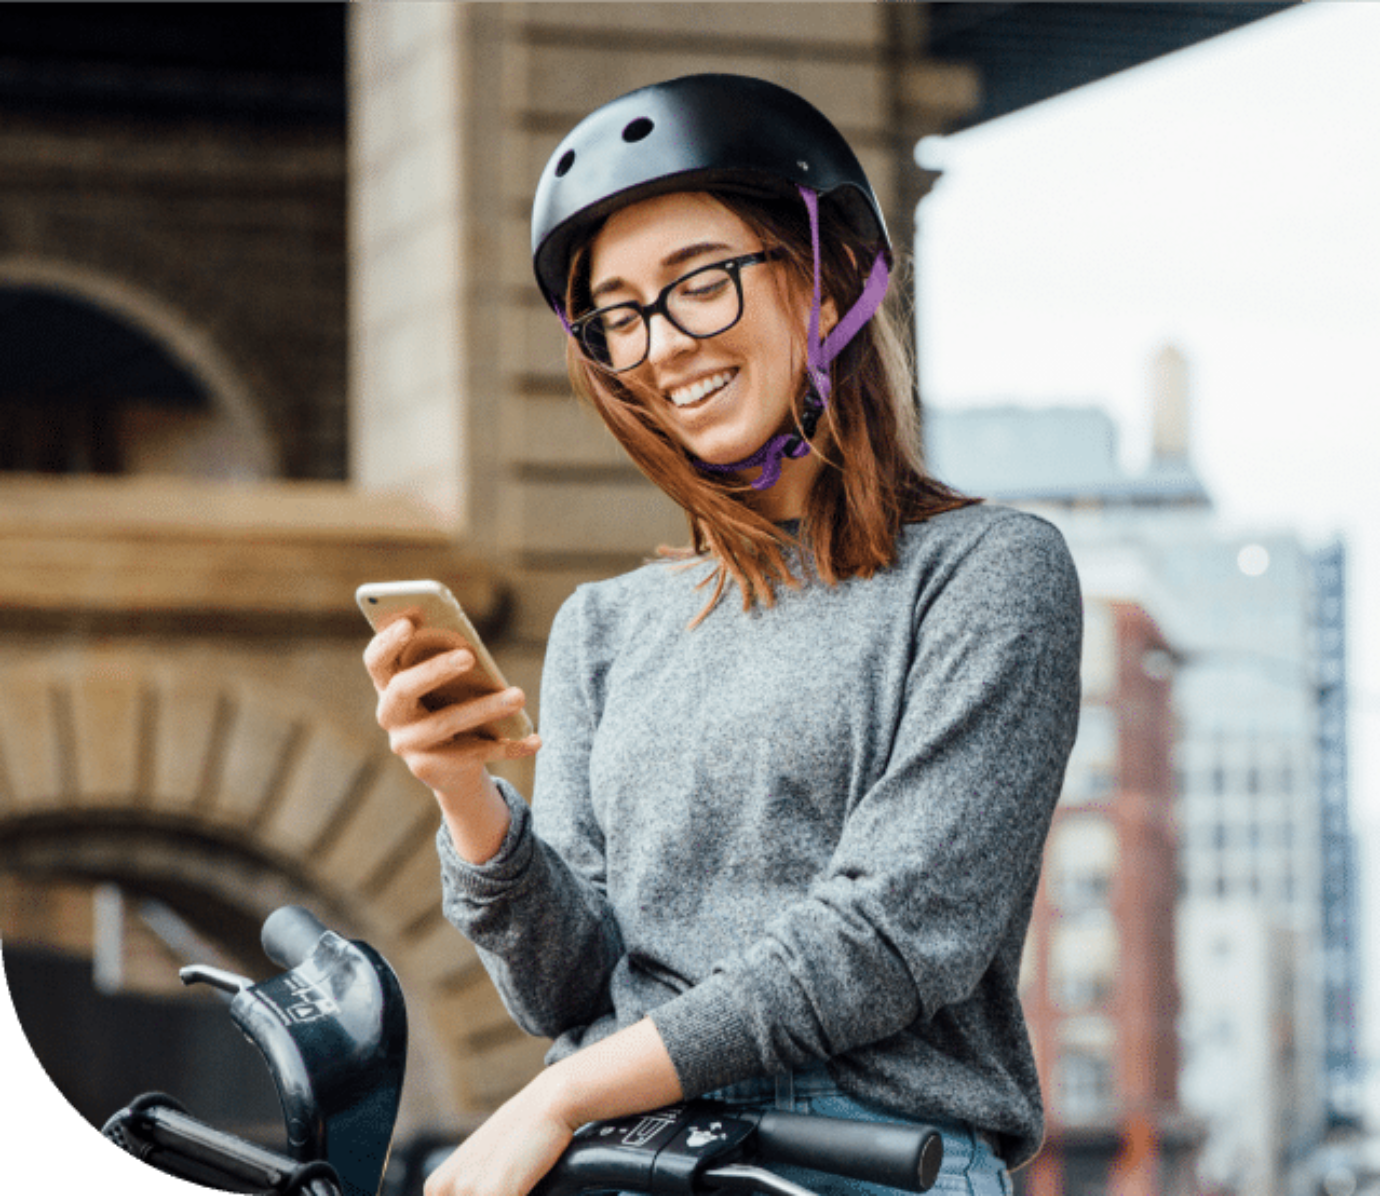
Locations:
510 1152
628 1072
443 747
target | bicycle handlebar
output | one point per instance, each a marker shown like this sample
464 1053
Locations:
290 935
886 1153
685 1150
158 1131
333 1032
704 1145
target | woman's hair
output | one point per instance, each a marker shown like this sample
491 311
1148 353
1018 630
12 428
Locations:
872 479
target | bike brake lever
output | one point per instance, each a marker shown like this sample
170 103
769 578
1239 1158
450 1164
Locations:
199 973
739 1177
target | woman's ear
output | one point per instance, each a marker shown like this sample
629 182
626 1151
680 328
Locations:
828 309
828 316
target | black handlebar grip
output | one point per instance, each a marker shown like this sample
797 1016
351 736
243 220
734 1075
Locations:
896 1156
290 935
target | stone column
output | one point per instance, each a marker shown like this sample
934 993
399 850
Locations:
408 265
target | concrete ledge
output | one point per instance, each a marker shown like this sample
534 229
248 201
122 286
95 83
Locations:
162 546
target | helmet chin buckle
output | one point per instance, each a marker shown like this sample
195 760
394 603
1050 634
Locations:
784 444
797 444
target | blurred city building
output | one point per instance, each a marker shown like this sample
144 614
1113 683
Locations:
266 331
1098 980
1254 624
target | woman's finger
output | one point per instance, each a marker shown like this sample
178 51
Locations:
406 689
382 652
442 769
462 719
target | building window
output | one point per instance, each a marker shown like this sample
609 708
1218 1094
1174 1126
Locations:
1082 859
1083 889
1083 957
1084 1081
1092 766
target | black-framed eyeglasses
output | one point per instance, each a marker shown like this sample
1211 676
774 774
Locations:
703 303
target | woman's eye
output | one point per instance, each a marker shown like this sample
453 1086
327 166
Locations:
704 288
620 320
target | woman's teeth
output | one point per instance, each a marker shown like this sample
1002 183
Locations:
701 389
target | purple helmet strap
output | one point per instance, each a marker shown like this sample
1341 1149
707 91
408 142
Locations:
819 355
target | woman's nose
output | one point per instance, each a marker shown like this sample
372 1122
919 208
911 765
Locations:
664 339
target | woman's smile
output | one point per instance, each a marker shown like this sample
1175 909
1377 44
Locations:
702 388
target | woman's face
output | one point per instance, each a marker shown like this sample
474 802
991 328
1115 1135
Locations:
728 394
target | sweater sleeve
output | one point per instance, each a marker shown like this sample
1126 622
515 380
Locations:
538 912
930 885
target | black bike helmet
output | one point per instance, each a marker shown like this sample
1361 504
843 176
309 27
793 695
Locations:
727 131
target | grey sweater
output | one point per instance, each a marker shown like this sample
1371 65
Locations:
804 833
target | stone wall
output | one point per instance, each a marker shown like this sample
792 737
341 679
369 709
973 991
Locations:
183 711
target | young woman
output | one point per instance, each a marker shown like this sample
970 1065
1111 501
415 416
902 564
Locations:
794 781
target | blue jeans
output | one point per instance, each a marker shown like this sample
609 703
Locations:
970 1167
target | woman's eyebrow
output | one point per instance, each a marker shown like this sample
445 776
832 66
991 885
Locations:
684 254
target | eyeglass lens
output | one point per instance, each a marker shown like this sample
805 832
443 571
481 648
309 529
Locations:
701 304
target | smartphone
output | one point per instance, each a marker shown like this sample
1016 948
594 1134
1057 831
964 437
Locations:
442 626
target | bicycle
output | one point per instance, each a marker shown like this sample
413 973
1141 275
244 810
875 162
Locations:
332 1029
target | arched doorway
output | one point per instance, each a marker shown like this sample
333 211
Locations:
205 792
100 378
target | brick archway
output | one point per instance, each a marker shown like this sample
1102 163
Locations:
113 766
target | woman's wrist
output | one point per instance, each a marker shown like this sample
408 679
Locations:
628 1072
476 817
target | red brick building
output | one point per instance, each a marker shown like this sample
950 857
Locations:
1100 989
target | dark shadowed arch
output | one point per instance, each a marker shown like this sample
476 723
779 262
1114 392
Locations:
100 378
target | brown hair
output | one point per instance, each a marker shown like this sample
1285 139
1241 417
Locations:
873 480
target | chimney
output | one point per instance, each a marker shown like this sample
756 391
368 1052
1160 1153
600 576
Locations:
1169 401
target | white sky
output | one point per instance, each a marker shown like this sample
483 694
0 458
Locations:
1227 199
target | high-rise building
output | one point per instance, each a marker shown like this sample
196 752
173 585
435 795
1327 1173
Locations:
1341 957
1267 961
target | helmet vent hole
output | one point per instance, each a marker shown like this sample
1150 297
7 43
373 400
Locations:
637 129
564 165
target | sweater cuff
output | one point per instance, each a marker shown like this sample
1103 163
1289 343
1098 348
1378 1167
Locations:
491 880
708 1037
